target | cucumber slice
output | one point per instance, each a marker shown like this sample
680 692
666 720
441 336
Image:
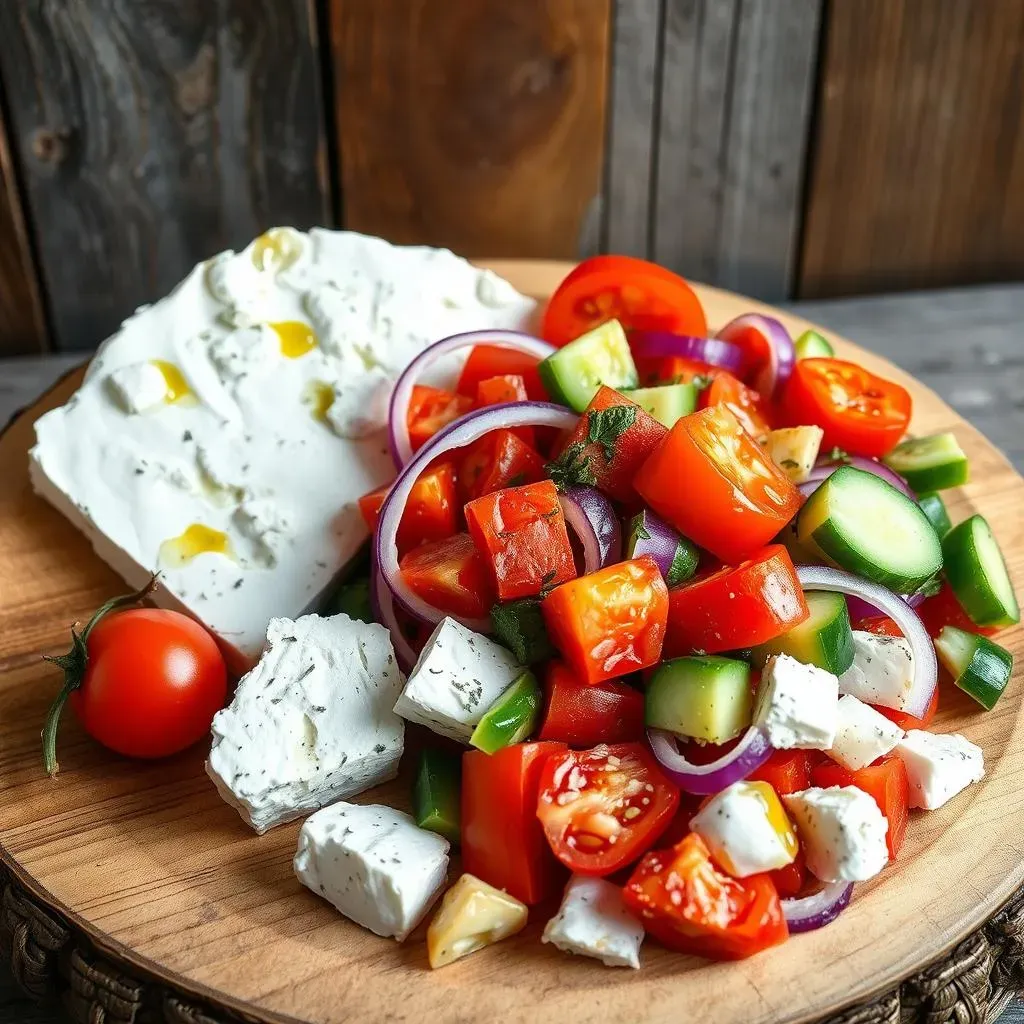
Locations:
930 463
811 345
868 527
519 625
703 698
934 508
353 599
573 374
824 638
666 403
437 792
978 666
977 573
511 718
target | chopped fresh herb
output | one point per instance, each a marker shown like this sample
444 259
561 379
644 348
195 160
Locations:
606 426
637 527
838 455
547 584
519 625
571 468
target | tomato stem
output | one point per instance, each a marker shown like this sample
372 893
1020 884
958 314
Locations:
74 664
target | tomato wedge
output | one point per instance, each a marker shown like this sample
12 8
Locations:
451 575
499 459
584 715
786 771
943 609
638 294
687 904
431 513
602 808
860 412
744 403
431 410
487 361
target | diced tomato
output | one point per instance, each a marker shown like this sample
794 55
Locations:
520 532
431 513
451 575
687 904
495 361
603 808
502 840
499 459
943 609
610 622
612 439
745 403
885 781
679 827
905 721
880 625
860 412
508 387
716 485
789 880
640 295
672 370
786 771
431 410
736 608
583 714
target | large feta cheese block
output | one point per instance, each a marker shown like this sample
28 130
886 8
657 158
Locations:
311 723
263 377
862 734
939 766
593 921
882 671
458 676
797 704
373 864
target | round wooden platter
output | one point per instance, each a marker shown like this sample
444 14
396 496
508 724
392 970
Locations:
165 879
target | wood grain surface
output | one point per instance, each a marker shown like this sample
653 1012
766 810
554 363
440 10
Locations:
167 876
151 134
917 175
476 125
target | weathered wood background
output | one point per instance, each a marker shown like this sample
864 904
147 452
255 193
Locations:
782 148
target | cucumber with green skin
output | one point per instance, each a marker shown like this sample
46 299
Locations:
977 572
573 374
824 638
930 463
811 345
667 403
703 698
981 668
512 717
934 508
437 793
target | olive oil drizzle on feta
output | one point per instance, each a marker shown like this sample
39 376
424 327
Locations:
319 396
294 337
178 389
195 541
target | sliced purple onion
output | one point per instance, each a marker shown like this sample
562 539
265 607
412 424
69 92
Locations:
383 607
463 431
747 756
657 539
781 353
662 344
859 609
826 467
591 516
818 909
401 448
926 670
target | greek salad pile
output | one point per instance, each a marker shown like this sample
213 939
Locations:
669 606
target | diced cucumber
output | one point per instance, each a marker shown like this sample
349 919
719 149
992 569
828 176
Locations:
666 403
930 463
573 374
824 638
703 698
934 508
684 563
811 345
977 573
519 625
437 793
511 718
868 527
649 535
353 599
978 666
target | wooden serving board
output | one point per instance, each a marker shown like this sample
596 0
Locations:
163 876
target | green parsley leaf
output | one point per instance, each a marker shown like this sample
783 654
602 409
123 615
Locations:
571 468
606 426
519 625
637 528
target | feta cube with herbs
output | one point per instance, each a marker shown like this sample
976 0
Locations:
608 568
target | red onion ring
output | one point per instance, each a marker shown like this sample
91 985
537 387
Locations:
383 607
463 431
747 756
663 344
781 353
814 911
826 467
926 669
398 432
592 518
859 609
661 542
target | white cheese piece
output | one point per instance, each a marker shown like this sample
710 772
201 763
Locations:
882 671
311 723
939 766
593 921
842 832
373 864
472 916
458 676
263 523
794 450
260 435
862 734
797 704
359 406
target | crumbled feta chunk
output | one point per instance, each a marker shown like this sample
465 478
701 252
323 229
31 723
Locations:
495 291
797 704
939 766
882 671
842 832
265 525
138 387
593 921
458 676
311 723
360 405
244 352
862 734
373 864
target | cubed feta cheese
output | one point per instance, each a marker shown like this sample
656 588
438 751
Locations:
593 921
360 405
842 832
373 864
882 671
862 734
939 766
797 704
794 450
311 723
458 676
138 387
472 915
